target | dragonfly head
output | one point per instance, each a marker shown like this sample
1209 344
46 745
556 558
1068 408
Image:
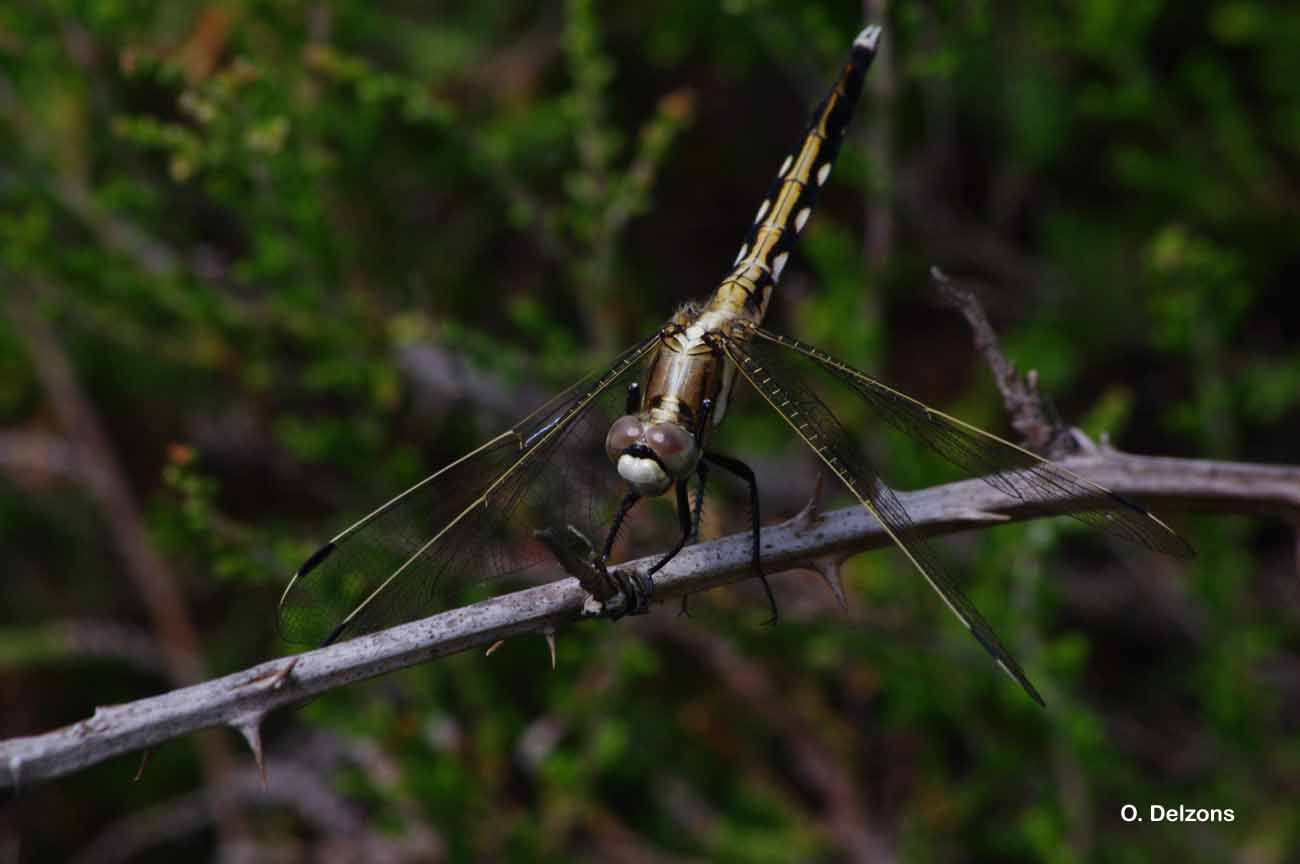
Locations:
651 456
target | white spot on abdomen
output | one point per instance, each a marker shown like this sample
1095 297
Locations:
778 264
822 173
868 38
762 211
801 218
785 166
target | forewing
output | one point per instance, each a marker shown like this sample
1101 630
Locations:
1006 467
470 524
760 362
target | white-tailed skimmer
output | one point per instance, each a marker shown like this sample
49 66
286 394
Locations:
477 520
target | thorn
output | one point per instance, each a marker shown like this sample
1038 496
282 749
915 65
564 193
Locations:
811 513
549 633
278 679
272 680
144 760
251 728
829 569
493 647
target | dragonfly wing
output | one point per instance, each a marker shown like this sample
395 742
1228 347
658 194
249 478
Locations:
469 524
1005 466
760 363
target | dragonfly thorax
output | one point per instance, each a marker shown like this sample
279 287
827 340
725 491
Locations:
651 456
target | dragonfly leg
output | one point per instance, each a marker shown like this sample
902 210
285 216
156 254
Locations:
633 595
624 508
697 511
744 472
702 471
706 414
684 521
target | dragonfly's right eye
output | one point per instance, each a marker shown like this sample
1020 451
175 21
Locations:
625 432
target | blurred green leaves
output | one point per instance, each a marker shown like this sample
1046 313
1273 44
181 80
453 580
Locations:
238 214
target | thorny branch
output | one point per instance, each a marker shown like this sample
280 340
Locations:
811 540
243 699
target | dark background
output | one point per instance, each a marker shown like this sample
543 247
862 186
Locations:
297 255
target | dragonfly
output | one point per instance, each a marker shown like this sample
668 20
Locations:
476 522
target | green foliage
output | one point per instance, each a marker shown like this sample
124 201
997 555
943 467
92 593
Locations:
241 216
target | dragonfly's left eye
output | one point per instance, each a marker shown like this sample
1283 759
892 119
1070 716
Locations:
625 432
674 446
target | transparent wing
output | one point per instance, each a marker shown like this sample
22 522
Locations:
471 523
1006 467
760 362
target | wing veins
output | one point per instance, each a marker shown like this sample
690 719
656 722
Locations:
530 445
1011 469
839 453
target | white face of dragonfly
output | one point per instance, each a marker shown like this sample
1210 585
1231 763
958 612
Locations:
651 456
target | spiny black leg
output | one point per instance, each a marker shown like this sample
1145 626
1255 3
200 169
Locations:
683 521
633 404
706 414
701 426
744 472
633 595
697 512
624 507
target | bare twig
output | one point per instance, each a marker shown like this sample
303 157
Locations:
37 453
1030 412
109 487
100 640
245 697
107 484
441 380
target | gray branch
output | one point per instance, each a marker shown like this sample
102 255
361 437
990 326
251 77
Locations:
810 540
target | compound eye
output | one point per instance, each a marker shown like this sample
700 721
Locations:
674 446
625 432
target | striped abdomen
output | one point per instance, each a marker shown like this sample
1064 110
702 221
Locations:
790 199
